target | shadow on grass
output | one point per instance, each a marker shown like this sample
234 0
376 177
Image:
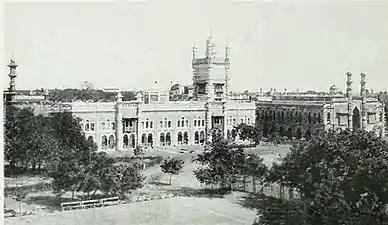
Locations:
275 211
49 202
204 192
159 183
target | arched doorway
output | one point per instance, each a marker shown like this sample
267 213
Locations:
307 134
356 119
111 141
162 139
168 139
196 137
298 134
281 132
265 129
185 138
133 142
202 137
104 142
179 138
150 140
289 133
125 141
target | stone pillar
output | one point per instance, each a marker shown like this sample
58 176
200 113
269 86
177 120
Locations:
363 103
208 123
119 127
227 67
350 99
138 115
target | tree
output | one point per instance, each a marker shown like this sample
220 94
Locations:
120 178
248 132
69 165
220 164
172 166
341 177
256 168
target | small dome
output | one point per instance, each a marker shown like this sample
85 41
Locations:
333 87
119 95
139 95
175 87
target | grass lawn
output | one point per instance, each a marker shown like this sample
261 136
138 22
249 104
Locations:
172 211
188 210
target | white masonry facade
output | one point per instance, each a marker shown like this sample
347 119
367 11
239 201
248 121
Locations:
124 125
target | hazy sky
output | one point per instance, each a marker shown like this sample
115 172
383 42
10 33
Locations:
306 45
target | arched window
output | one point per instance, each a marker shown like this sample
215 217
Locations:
103 126
203 123
185 138
179 137
146 124
169 123
125 141
162 140
202 137
195 123
111 141
179 123
196 137
150 140
113 125
87 125
143 138
152 124
249 121
168 138
104 142
161 124
92 126
165 122
187 123
328 117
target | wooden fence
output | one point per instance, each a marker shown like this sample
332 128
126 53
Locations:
270 189
90 203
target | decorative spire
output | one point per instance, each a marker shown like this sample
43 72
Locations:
209 46
194 52
227 49
363 100
350 99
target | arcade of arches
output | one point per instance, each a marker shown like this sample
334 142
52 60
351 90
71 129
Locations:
290 123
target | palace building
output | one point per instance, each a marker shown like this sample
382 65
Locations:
188 115
301 115
152 119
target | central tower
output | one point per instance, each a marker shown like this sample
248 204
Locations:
210 74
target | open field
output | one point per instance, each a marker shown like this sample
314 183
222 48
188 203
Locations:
176 211
190 210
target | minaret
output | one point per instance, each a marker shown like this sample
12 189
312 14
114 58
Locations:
12 75
194 52
209 47
363 101
350 99
227 67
